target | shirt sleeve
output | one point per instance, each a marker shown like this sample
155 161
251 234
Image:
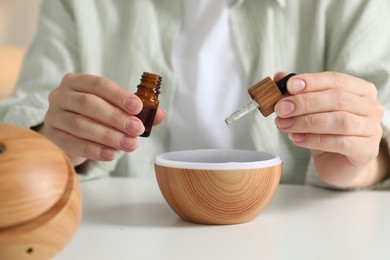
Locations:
358 44
52 54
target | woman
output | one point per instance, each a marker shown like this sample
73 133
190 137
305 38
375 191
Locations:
77 83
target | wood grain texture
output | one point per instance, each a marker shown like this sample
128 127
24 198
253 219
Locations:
266 93
218 196
32 175
40 200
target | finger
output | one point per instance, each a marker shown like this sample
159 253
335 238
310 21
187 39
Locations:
160 116
361 149
106 89
87 129
76 147
335 123
100 110
326 101
314 82
279 75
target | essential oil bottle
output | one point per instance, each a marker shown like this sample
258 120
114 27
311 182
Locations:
148 91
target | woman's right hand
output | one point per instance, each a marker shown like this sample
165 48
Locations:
91 117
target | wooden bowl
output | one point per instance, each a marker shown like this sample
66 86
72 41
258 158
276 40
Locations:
40 201
218 186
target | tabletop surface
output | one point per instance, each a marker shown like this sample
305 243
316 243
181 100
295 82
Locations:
126 218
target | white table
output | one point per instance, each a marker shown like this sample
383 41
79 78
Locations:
127 218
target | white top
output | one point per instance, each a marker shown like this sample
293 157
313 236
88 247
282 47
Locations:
206 63
217 159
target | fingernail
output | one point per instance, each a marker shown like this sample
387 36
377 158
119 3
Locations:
133 105
135 127
284 108
297 137
284 122
128 143
107 153
296 85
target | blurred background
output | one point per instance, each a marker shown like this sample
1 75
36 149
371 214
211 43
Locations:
17 27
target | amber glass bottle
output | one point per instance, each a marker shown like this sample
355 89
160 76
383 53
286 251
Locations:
148 91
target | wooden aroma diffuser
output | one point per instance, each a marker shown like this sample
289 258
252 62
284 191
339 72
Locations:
40 201
212 186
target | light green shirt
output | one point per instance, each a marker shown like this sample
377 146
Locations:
122 39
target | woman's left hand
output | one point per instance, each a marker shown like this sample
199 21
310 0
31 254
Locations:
337 117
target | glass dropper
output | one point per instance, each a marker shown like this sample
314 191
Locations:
241 112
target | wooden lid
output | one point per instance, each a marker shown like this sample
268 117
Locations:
266 93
